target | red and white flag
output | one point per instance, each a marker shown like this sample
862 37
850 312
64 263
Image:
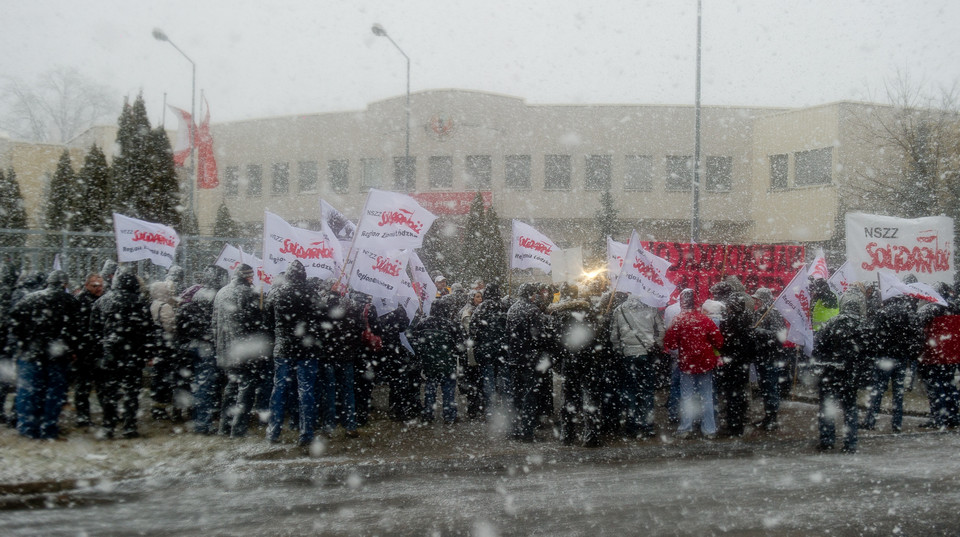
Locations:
319 251
392 221
794 304
818 269
616 253
531 249
645 275
842 279
891 286
206 162
406 296
186 133
231 258
379 274
423 285
137 239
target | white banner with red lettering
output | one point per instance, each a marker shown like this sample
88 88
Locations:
818 268
319 251
645 275
794 304
616 253
379 274
531 249
392 221
921 246
231 258
842 279
891 286
406 297
137 239
422 283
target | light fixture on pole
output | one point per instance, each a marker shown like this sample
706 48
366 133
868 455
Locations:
380 32
695 221
159 35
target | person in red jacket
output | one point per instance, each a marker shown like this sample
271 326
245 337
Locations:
939 363
696 339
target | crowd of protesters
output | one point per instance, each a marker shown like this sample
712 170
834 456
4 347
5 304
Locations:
220 355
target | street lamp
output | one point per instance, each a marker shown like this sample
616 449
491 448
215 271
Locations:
695 222
379 31
160 36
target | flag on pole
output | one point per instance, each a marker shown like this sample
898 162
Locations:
423 285
186 133
843 278
818 269
616 253
231 258
645 275
794 304
206 162
319 251
341 226
379 274
531 249
891 286
56 262
137 239
392 221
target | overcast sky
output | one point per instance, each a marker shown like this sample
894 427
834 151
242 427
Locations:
257 59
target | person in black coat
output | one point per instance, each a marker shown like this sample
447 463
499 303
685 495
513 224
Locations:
529 343
488 330
344 348
9 273
840 355
83 368
397 367
45 326
739 348
122 322
197 342
771 357
897 340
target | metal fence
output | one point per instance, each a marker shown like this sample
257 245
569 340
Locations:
81 253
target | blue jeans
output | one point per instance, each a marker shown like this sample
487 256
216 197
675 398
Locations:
339 377
888 370
238 397
306 372
943 394
768 377
639 388
41 393
448 388
702 385
673 399
205 386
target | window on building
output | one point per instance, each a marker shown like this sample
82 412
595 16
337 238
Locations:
719 174
405 173
516 172
338 171
778 171
254 180
557 171
281 178
679 173
441 172
308 175
638 172
598 171
814 167
371 173
231 181
479 173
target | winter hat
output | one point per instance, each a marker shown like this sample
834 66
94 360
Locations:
57 278
712 308
686 299
764 295
245 271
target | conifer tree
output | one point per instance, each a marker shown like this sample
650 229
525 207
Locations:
606 225
61 205
12 212
495 262
163 206
93 210
473 247
133 173
225 225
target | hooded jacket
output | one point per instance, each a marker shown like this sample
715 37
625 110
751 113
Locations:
696 339
46 324
841 346
121 318
637 328
237 324
294 313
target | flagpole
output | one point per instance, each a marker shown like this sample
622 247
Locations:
804 267
353 242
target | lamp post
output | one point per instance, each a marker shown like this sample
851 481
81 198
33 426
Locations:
695 222
159 35
380 32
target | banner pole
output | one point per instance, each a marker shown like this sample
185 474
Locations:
363 211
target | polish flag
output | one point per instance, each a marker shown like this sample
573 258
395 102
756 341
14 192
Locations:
185 136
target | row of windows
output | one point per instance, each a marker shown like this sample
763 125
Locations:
638 174
812 167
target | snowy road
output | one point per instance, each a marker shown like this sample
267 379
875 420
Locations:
908 484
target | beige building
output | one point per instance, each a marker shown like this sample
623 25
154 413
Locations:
767 174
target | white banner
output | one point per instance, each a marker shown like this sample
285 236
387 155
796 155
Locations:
794 304
379 274
138 240
422 283
645 275
616 253
566 265
392 221
319 251
818 268
891 286
231 258
922 247
842 279
531 249
406 297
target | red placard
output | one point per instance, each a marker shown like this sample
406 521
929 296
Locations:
451 202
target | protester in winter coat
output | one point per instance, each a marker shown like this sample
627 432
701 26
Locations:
242 348
45 326
897 340
345 348
575 330
395 367
939 363
121 319
83 368
438 342
166 362
637 331
697 341
197 343
738 351
9 273
529 345
771 357
840 354
471 380
488 330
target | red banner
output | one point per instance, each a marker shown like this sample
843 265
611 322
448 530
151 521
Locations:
699 266
451 202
